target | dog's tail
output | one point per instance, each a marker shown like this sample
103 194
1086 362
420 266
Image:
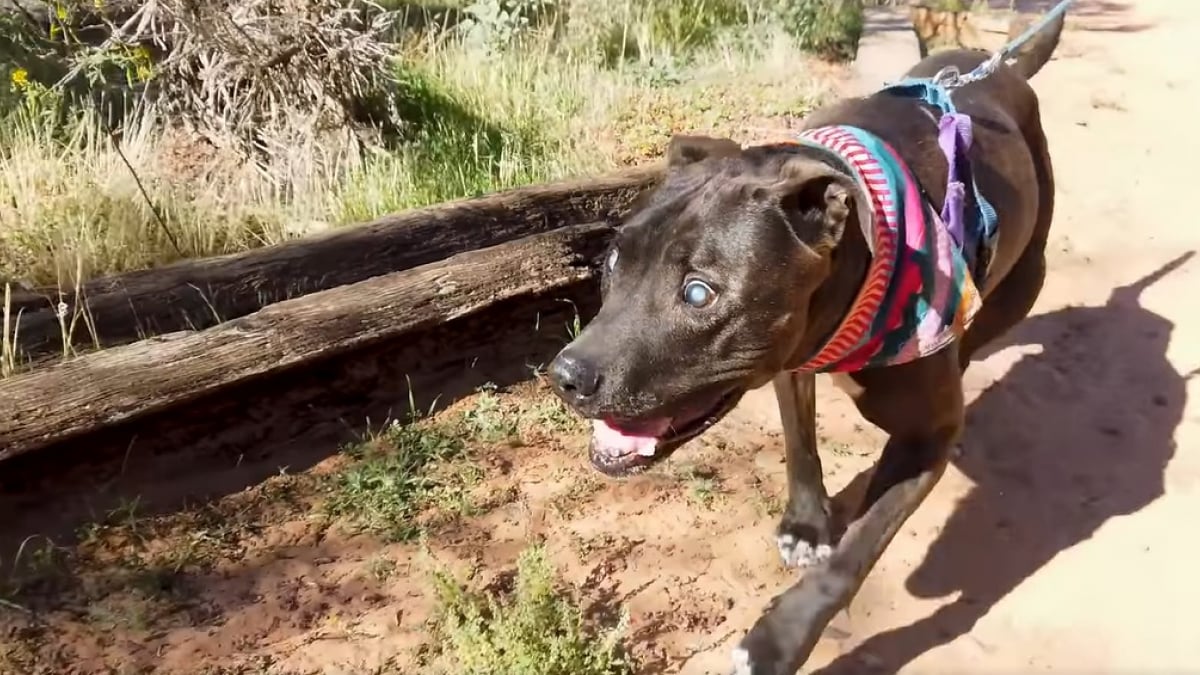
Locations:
1037 51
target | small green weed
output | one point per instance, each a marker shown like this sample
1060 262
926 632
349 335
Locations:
381 568
569 501
37 561
125 611
575 327
392 478
536 631
550 414
769 504
704 485
489 420
452 495
153 551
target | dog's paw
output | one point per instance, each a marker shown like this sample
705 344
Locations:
805 535
741 662
799 553
746 664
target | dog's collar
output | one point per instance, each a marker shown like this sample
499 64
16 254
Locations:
918 295
881 236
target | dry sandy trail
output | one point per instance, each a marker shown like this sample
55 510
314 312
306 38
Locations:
1065 539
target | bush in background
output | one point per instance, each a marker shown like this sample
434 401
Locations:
830 28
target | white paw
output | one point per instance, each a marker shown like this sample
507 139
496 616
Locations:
801 554
741 662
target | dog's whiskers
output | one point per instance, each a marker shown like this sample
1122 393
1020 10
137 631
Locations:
749 353
725 376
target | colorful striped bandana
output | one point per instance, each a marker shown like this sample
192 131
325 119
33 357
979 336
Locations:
919 294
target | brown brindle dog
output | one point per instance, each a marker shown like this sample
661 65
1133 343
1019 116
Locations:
740 267
943 28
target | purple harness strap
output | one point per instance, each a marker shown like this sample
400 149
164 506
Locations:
966 212
954 138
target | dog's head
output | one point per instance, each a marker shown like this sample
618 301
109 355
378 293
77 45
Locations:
706 294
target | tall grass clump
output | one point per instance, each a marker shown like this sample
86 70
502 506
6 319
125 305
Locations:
69 201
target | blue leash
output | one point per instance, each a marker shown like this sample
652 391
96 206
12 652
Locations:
935 91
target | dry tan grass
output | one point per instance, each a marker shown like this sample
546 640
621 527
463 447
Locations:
523 111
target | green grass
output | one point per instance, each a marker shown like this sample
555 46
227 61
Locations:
604 88
489 420
550 415
534 631
135 572
462 141
126 571
415 474
381 568
703 483
392 478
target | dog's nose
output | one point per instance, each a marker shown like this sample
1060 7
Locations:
574 377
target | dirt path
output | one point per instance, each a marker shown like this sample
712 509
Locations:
1062 540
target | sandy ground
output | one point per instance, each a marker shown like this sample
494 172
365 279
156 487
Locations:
1061 541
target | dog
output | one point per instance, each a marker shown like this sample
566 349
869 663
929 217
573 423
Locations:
769 264
941 28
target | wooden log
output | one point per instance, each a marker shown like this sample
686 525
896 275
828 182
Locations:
117 385
199 293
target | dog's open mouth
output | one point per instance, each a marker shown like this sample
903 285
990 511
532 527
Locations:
621 447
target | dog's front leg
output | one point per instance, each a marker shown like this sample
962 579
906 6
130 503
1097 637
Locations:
921 408
804 535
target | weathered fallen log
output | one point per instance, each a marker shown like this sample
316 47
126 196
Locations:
117 385
196 294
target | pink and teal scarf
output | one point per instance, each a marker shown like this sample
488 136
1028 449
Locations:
919 294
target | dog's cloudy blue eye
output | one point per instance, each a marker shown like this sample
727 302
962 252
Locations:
611 261
698 294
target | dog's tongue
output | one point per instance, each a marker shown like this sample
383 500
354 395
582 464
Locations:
614 442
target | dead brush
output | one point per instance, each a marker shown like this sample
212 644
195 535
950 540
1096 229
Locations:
266 77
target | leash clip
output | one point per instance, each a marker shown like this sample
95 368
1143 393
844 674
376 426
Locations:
948 78
951 77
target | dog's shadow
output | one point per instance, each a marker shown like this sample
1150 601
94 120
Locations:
1066 440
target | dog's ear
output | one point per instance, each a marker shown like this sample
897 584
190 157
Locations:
818 200
684 150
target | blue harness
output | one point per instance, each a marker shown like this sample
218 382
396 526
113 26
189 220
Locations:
968 215
974 228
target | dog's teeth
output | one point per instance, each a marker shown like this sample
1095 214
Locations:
646 450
